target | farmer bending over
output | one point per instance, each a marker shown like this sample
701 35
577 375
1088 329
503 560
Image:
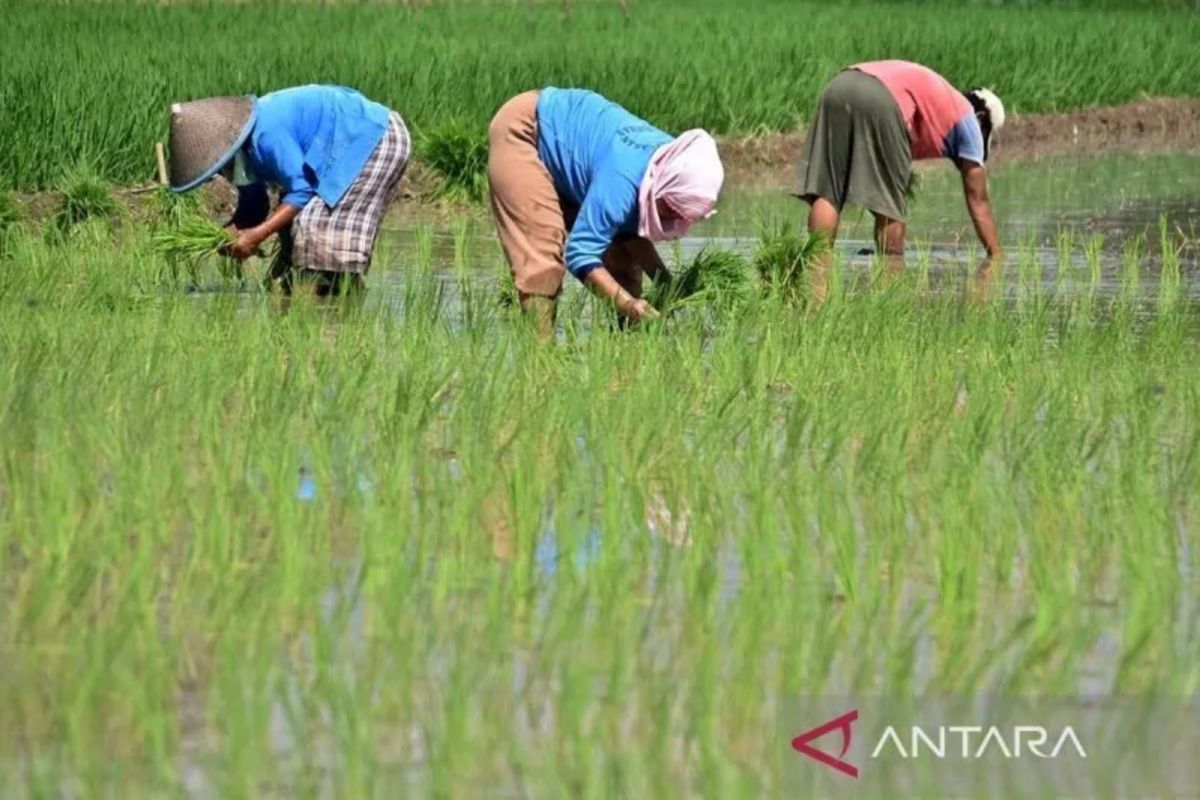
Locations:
579 184
872 120
335 156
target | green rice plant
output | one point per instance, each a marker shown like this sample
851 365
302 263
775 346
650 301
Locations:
743 68
192 238
11 214
781 258
207 500
84 195
713 277
506 289
459 155
173 208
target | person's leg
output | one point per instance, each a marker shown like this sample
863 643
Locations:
889 241
889 235
525 207
824 171
359 215
882 159
334 245
823 219
282 265
326 283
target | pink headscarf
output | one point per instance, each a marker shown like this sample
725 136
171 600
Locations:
686 174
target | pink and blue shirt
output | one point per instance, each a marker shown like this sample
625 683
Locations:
940 120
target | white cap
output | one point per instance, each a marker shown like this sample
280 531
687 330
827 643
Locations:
994 107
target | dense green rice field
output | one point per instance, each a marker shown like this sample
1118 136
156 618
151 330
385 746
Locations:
92 82
397 548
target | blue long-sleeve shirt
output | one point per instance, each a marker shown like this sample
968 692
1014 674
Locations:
596 153
314 141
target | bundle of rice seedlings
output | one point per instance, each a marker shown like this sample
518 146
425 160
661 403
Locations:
714 276
190 240
84 196
459 155
782 257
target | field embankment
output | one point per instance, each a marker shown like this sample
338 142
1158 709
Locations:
1152 125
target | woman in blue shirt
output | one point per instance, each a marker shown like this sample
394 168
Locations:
336 157
580 185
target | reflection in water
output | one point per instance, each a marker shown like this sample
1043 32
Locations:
1068 226
1041 266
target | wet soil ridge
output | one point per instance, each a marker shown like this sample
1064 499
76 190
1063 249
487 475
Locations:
1145 126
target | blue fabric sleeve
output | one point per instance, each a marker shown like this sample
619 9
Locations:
965 140
283 162
610 201
253 206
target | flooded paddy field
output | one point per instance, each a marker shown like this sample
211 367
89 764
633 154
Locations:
1088 226
398 547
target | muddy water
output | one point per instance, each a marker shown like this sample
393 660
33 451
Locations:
1102 202
1070 226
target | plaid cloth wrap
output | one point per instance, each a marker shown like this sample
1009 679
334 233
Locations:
341 238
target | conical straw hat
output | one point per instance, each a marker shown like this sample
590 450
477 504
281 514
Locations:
205 134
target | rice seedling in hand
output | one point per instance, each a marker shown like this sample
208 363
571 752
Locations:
782 257
459 155
85 196
713 277
190 240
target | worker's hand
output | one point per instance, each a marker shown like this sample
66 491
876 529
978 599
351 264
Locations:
640 310
246 245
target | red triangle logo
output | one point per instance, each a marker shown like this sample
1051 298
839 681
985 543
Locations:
803 743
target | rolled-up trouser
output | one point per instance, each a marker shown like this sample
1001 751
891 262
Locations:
531 220
341 238
858 148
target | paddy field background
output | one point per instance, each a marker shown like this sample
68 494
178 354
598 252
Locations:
395 547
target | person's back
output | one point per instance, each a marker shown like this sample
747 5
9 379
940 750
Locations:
931 106
580 131
327 132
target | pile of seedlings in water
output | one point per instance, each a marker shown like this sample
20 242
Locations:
459 155
782 258
714 277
